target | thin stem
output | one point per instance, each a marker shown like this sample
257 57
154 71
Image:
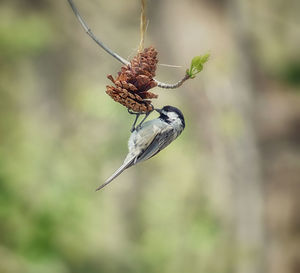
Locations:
143 24
172 86
115 55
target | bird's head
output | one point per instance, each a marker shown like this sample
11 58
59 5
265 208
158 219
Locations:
171 115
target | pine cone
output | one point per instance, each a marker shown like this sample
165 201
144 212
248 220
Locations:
134 81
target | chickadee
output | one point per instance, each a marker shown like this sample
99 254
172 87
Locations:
150 138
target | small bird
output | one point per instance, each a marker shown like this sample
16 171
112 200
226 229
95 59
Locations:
150 138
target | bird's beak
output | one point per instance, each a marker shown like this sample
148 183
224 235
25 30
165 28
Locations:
158 110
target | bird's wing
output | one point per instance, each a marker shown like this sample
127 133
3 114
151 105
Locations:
124 166
160 141
152 136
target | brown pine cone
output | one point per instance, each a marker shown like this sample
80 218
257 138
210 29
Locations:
134 81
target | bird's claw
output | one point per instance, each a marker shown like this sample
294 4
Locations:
133 128
131 112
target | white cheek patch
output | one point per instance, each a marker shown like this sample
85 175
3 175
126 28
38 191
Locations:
172 115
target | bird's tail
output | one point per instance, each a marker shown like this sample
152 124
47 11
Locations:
125 165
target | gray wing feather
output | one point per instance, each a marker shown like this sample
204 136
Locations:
160 141
155 136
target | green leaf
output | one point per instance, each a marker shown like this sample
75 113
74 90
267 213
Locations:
197 65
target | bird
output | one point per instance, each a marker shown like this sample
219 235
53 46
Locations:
150 137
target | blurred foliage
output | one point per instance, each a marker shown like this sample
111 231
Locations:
291 73
23 36
53 143
61 136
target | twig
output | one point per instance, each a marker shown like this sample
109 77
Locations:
173 86
115 55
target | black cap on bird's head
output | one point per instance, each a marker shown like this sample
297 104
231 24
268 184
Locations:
170 109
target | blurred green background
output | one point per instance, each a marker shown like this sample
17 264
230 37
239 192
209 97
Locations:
224 197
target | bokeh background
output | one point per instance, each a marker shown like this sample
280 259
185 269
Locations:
224 197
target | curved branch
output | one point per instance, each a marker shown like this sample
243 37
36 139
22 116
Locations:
172 86
91 34
115 55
